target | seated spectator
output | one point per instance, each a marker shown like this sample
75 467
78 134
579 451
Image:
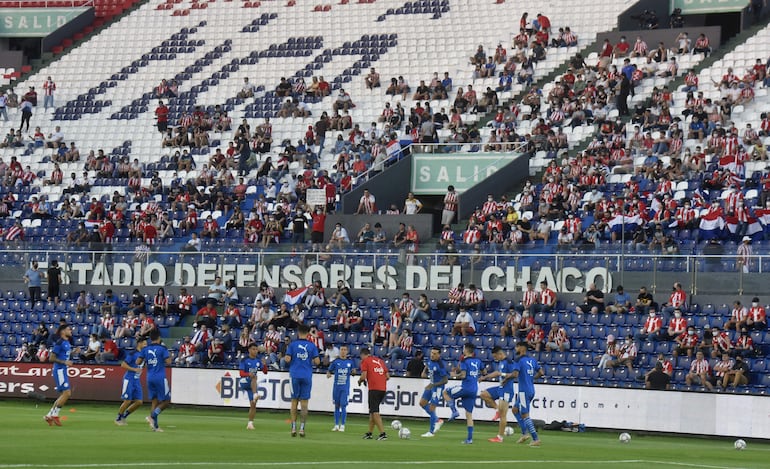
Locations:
535 338
557 340
207 315
652 328
757 317
380 332
593 301
372 79
700 372
738 375
610 354
463 324
621 303
687 342
626 354
187 354
511 323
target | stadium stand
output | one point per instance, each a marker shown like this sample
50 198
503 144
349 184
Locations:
610 197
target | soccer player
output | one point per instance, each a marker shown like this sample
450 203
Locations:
468 371
499 396
248 369
527 371
341 368
132 387
436 372
374 373
301 355
157 358
60 356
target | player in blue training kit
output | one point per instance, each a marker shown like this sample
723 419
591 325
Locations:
60 356
250 366
527 371
342 369
469 371
131 392
156 358
301 355
436 372
500 396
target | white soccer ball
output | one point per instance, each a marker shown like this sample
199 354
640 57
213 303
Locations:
395 425
624 437
740 445
404 433
508 431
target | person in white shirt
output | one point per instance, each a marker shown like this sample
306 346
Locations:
463 323
193 244
412 205
339 236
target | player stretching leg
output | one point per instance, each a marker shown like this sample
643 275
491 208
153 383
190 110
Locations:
60 356
157 358
527 371
468 371
500 396
249 367
132 387
341 368
301 355
436 372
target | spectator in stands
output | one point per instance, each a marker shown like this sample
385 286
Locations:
511 323
526 324
40 334
657 379
687 342
545 302
109 351
757 316
474 298
677 327
611 353
380 332
339 237
738 375
677 299
557 339
535 338
207 315
653 327
593 301
33 278
187 354
720 342
626 354
621 303
93 347
700 372
367 204
463 324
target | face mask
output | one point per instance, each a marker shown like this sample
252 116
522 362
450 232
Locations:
754 305
652 315
690 332
677 315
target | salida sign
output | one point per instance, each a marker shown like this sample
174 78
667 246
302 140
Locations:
97 382
376 277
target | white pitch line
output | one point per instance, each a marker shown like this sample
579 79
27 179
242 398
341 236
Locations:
329 463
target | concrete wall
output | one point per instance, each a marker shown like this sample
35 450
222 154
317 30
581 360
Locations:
388 188
497 184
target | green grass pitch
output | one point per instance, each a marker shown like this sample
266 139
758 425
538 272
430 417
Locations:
218 438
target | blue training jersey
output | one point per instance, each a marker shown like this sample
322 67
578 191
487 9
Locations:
436 371
528 368
155 355
130 360
472 367
504 367
250 365
342 370
302 353
62 349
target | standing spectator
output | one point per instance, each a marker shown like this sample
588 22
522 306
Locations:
366 204
657 379
450 206
745 255
161 114
700 372
33 278
54 281
412 205
26 113
49 86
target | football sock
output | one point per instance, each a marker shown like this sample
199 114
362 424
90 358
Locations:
531 428
343 415
522 425
470 433
336 415
452 405
55 411
433 420
302 426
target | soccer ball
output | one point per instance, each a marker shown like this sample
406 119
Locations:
624 437
740 445
508 431
404 433
395 425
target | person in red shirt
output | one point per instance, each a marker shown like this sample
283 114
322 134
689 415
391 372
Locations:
622 47
109 351
210 228
161 113
207 315
150 233
374 373
317 232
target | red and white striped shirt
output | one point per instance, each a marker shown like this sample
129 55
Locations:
472 236
406 306
13 233
272 339
677 298
450 201
547 296
185 303
405 344
652 324
317 339
456 295
395 319
700 366
739 314
757 314
530 298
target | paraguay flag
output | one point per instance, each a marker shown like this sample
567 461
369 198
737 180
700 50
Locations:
754 225
711 224
292 297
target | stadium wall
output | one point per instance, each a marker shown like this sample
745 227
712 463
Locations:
622 409
388 188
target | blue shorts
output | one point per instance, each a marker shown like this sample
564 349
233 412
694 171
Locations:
501 392
467 397
300 388
159 389
523 400
340 396
244 384
61 379
433 396
132 390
